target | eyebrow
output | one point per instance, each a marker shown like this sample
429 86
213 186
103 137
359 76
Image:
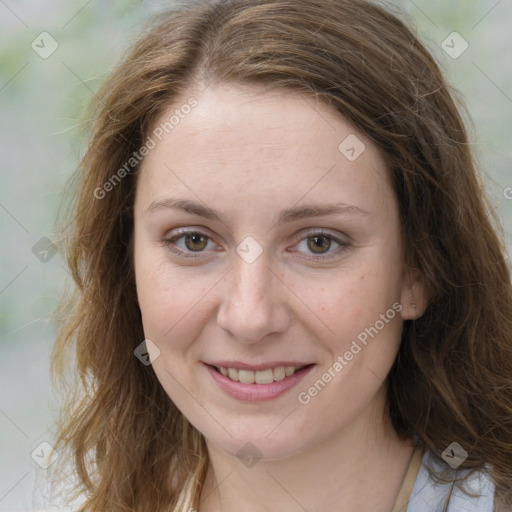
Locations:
288 215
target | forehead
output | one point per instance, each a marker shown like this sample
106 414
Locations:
254 143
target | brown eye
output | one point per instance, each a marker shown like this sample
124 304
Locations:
190 244
319 244
195 241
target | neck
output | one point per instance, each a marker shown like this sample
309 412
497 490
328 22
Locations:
334 474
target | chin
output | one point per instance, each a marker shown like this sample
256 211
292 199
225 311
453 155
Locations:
255 445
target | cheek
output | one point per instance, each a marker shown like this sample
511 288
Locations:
360 313
171 300
164 297
173 307
351 300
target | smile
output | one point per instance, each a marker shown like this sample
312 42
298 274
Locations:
257 385
258 377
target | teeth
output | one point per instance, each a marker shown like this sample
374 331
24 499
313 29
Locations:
245 376
279 373
264 376
289 370
260 377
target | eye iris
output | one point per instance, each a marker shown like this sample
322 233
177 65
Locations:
196 242
319 244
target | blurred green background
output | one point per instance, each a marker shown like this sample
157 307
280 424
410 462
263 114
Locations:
42 97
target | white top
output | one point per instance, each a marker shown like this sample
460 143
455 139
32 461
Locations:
430 496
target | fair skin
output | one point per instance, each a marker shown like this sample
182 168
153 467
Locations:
249 154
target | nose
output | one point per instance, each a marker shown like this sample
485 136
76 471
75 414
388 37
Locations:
253 303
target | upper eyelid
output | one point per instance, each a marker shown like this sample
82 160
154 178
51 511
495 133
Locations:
299 236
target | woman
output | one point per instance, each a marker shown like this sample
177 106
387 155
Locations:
290 288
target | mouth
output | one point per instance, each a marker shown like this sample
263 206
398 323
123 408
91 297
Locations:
257 383
265 376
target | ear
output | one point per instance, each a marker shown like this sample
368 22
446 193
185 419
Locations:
414 297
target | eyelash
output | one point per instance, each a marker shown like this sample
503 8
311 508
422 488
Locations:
343 246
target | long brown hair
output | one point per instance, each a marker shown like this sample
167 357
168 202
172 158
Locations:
131 447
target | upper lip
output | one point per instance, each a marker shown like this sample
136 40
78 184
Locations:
256 367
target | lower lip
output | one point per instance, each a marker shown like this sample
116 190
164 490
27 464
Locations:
257 392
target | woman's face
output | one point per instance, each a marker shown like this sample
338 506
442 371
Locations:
267 236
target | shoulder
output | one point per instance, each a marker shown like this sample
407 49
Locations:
429 495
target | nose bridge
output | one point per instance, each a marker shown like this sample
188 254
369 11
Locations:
253 281
250 307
